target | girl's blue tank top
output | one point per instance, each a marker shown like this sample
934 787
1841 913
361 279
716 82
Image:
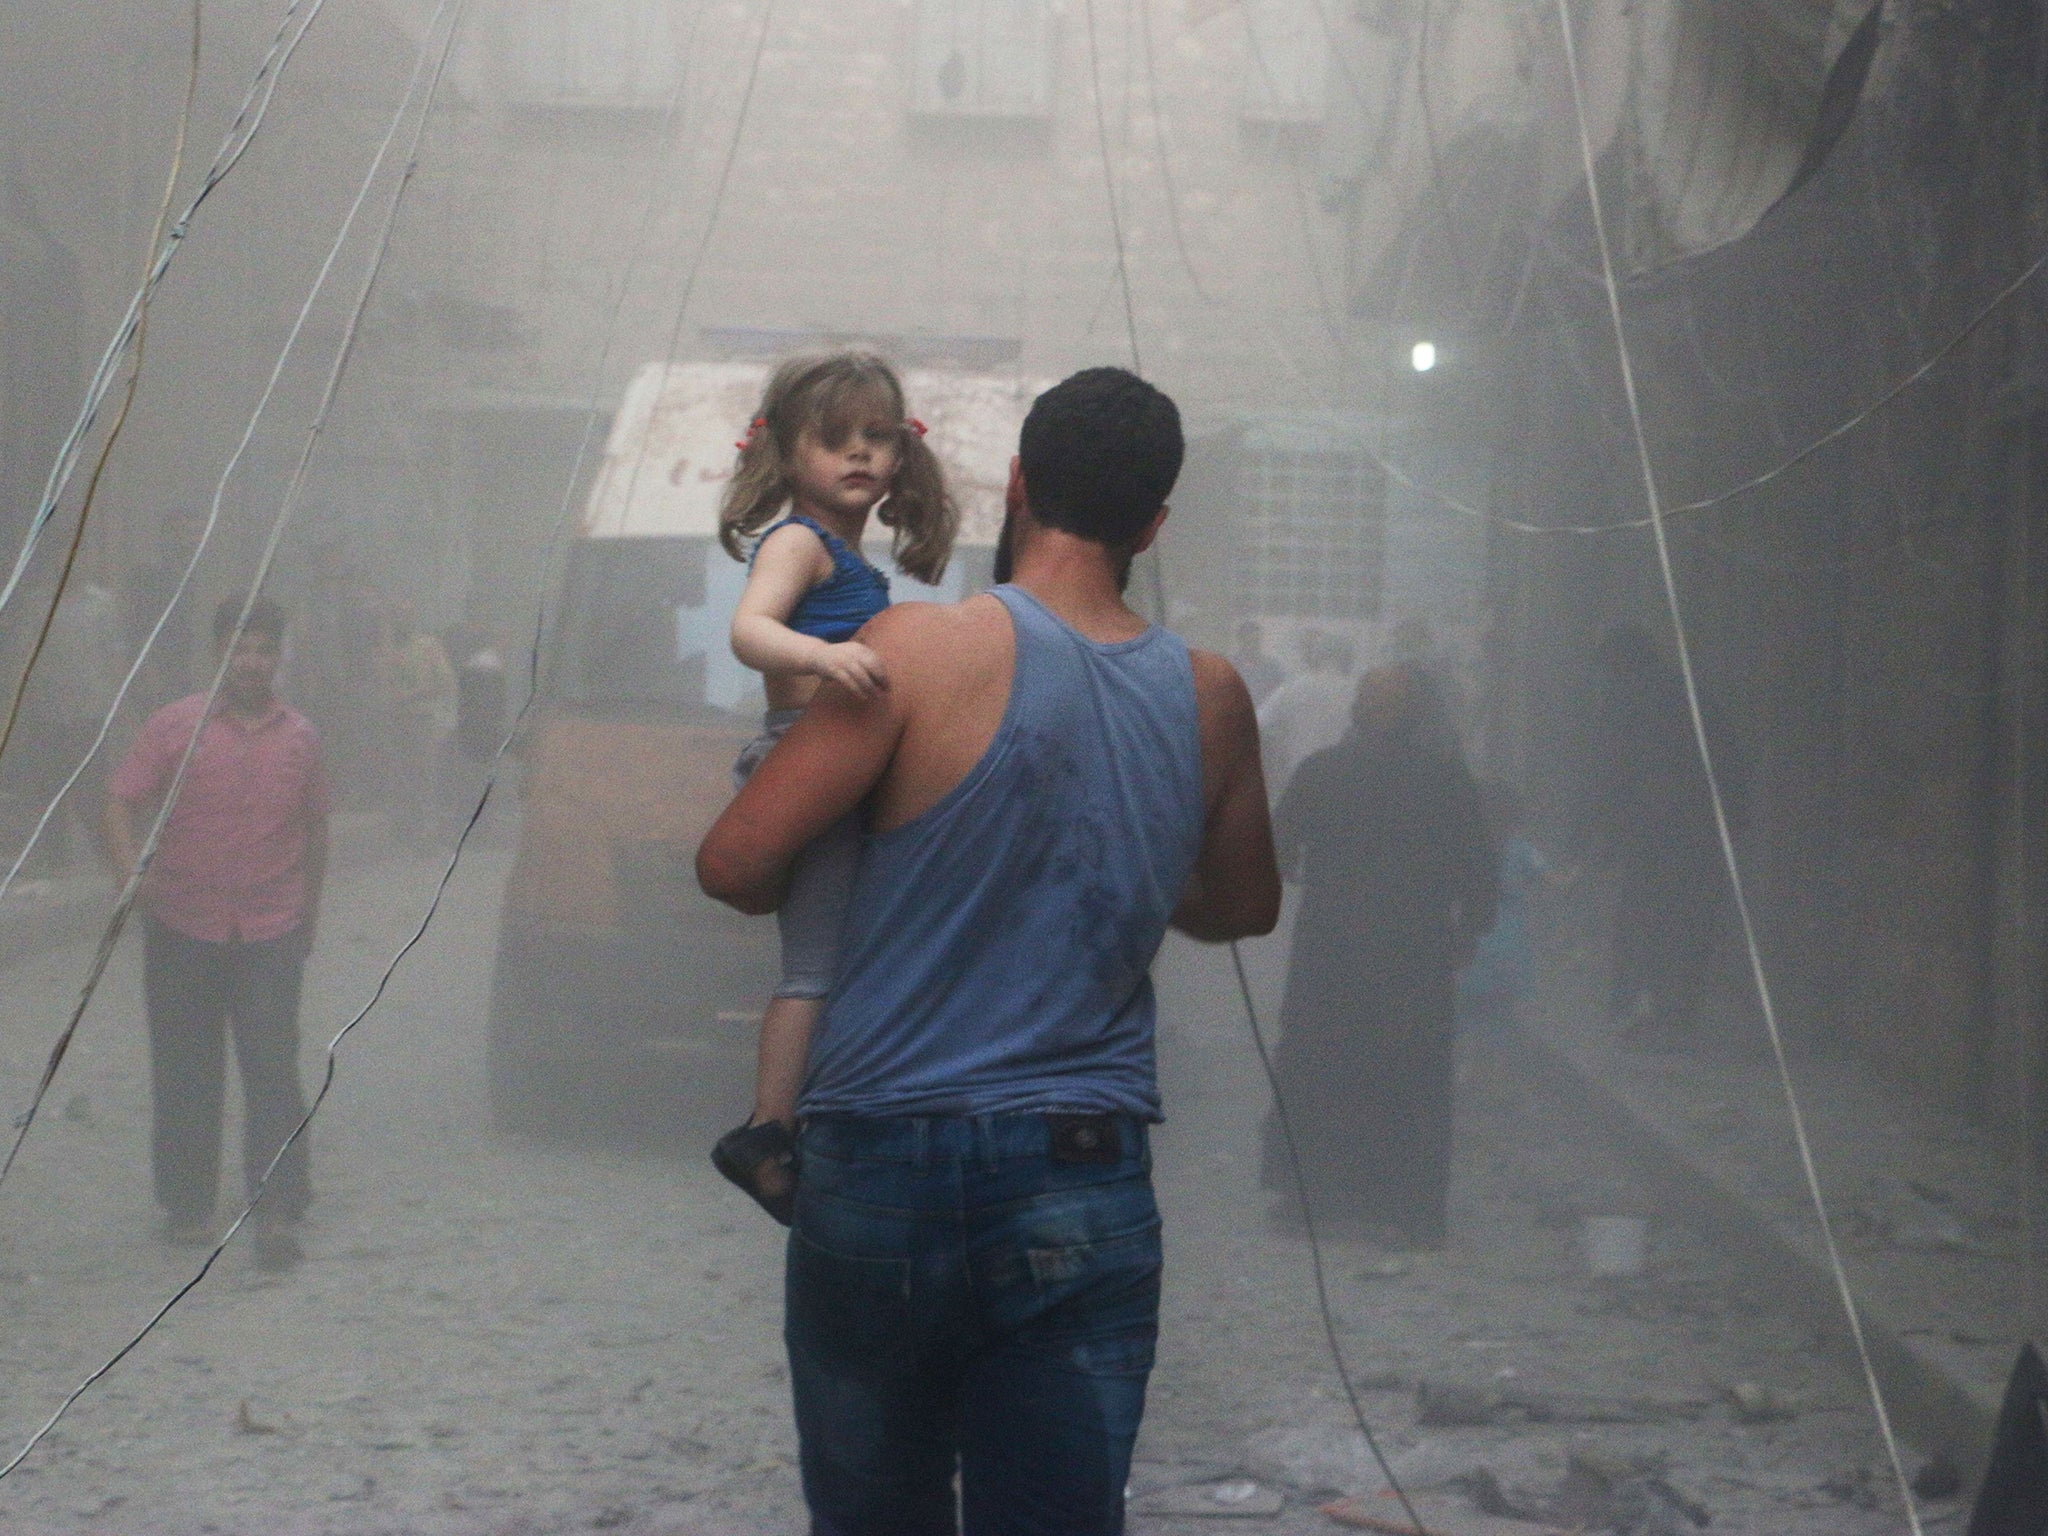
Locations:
836 607
997 951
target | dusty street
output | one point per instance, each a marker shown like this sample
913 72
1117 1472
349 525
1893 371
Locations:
498 1337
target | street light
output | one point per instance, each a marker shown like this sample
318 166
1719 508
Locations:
1423 357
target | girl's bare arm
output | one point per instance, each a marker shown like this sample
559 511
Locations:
788 565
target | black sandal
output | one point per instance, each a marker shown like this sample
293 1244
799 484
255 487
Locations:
743 1152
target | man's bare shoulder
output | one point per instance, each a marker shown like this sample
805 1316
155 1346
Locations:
932 629
1219 691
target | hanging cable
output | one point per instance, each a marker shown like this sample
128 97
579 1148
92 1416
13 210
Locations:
1669 581
242 132
1116 218
1236 957
439 65
127 897
1166 179
99 469
689 289
476 816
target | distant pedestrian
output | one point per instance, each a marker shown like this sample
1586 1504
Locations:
1385 835
420 685
1493 989
232 902
1261 673
1651 819
1309 711
480 698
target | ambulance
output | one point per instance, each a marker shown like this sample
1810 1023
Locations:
620 992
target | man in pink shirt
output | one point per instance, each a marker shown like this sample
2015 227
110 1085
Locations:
232 900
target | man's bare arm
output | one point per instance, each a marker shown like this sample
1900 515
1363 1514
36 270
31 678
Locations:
1234 892
819 772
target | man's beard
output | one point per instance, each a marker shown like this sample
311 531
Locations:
1006 549
1006 556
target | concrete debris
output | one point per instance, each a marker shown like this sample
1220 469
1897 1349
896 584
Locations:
1751 1403
1597 1492
1238 1498
1911 1216
247 1423
1315 1458
1627 1498
1454 1405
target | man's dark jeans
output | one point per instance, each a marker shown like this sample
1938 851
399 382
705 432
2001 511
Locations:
195 993
957 1297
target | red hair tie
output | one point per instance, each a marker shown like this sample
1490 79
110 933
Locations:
753 431
916 426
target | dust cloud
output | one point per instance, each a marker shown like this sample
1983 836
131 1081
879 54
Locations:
1615 470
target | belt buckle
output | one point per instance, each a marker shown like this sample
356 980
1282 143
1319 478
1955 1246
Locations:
1085 1138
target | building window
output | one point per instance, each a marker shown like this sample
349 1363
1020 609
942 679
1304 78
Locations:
982 58
1287 63
1316 532
594 54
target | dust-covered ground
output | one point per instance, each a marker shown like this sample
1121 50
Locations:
495 1337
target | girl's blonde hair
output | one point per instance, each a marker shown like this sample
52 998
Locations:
834 396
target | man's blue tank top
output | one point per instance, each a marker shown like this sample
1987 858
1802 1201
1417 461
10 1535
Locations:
838 606
998 948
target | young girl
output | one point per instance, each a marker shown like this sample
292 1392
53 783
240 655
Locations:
831 443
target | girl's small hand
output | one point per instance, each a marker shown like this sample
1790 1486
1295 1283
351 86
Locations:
854 667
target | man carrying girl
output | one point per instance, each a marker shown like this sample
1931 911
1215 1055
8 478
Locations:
1046 782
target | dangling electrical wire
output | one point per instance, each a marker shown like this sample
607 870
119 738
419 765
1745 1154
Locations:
1669 581
242 132
1166 177
1704 504
1116 218
475 817
99 469
1236 956
333 1048
126 900
439 65
689 288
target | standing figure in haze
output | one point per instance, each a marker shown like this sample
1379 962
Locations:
420 685
1307 712
973 1282
1493 988
1385 834
68 694
232 901
831 443
1261 673
1652 818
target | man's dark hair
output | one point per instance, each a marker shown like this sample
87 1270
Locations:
265 618
1101 451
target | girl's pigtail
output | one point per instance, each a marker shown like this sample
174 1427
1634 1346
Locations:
921 511
759 485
